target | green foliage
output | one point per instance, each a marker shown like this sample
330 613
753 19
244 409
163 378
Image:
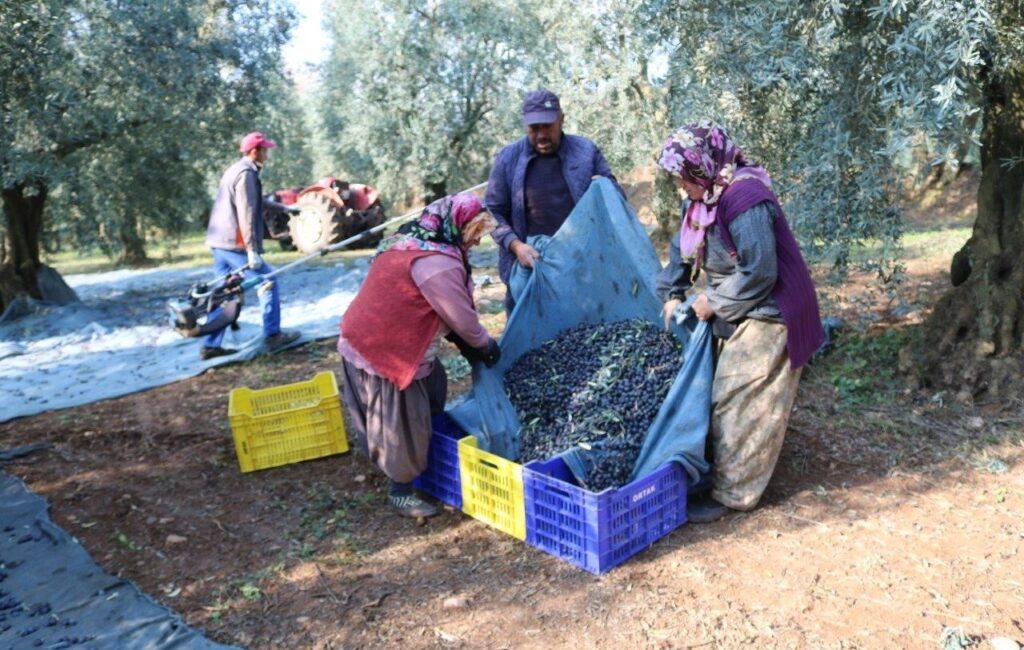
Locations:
597 58
250 591
321 514
417 95
124 541
127 111
285 121
831 95
838 100
456 367
863 369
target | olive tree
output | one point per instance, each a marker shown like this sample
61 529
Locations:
418 95
115 115
832 96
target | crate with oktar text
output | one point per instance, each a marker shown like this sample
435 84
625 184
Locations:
599 530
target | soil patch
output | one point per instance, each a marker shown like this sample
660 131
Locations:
893 515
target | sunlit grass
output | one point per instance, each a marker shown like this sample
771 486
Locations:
188 252
937 242
191 251
928 243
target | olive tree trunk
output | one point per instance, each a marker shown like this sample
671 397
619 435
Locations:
974 340
133 244
22 273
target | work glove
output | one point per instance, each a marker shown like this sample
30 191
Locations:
491 355
468 352
255 261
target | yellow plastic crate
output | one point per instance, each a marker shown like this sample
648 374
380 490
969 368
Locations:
287 424
492 489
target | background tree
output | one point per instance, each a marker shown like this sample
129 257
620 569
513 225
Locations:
834 97
789 80
418 96
119 113
285 120
975 337
598 63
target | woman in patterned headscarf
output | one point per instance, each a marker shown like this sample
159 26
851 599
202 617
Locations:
759 298
419 289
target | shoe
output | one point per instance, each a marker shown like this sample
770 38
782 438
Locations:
412 506
206 353
280 340
701 489
705 511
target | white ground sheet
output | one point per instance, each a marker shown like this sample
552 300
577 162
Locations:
118 340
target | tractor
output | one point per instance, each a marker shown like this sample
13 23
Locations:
329 211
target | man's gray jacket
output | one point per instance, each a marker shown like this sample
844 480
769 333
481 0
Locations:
236 220
505 199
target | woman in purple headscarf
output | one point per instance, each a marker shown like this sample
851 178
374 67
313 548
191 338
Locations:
419 289
759 299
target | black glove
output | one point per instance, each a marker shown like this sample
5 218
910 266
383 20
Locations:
492 354
468 352
488 355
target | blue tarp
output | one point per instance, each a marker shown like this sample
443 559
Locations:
54 595
600 267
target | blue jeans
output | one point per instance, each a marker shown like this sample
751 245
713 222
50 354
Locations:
225 261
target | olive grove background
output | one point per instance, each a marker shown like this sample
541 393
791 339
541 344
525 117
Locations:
118 118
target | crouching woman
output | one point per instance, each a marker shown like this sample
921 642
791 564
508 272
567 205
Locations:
759 298
418 290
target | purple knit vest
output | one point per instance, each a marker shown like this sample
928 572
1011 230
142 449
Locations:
794 289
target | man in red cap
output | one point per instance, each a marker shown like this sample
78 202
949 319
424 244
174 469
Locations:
235 236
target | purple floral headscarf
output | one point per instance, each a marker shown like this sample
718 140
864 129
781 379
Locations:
438 228
705 154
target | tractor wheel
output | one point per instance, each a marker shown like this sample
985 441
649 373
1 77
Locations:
360 220
317 225
375 216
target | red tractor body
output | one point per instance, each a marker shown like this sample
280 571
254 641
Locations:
330 210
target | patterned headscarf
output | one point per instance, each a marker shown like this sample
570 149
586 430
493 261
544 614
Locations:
706 155
438 228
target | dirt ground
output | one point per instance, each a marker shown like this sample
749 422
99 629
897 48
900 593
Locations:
894 514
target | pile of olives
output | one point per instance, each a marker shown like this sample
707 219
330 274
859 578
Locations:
594 386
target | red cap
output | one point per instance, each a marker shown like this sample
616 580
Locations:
255 139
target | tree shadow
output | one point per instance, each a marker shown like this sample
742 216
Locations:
326 564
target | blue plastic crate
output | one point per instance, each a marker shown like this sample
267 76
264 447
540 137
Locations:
597 531
441 478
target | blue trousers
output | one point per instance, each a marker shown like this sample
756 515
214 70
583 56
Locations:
225 261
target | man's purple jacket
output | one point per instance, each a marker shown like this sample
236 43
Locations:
505 198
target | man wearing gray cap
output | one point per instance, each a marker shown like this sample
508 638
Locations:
537 180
